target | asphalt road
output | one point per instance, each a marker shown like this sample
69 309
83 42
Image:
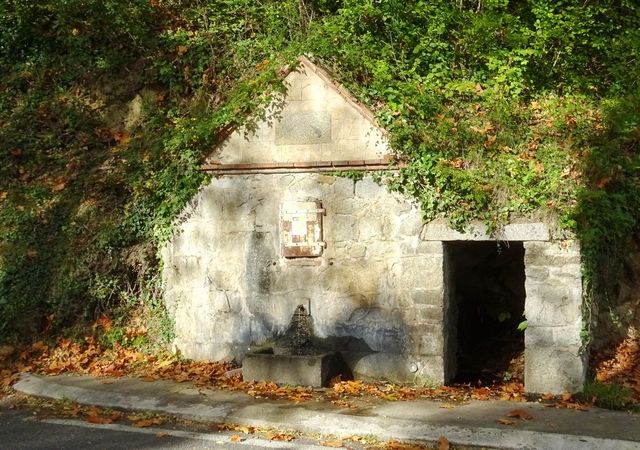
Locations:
23 429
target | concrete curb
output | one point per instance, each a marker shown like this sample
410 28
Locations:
384 423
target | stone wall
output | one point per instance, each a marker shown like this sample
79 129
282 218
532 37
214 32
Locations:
316 121
376 291
554 361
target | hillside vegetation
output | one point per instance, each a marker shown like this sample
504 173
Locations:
502 109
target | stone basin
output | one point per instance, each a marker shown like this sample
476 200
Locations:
299 370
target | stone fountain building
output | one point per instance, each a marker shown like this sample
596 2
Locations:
277 226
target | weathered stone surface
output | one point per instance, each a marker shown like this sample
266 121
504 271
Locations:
297 370
379 365
313 123
367 188
553 309
236 289
309 127
383 277
554 369
438 230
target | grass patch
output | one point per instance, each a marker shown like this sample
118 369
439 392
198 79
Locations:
609 396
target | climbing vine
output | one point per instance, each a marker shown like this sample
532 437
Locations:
499 109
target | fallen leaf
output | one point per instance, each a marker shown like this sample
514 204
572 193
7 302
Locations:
162 434
95 417
333 444
236 438
443 443
98 420
59 187
505 421
3 195
121 137
520 414
104 322
277 436
148 422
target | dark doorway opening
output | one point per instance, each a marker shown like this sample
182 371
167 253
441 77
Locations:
486 295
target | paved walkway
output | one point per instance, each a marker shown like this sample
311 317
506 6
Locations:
421 420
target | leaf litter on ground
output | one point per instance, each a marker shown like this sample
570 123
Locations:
89 356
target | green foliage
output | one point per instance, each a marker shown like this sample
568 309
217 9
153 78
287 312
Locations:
499 108
609 396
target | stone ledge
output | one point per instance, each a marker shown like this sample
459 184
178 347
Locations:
438 230
301 166
297 370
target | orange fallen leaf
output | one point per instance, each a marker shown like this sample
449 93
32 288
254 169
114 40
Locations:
98 420
148 422
443 443
236 438
121 137
548 396
162 434
276 436
520 414
94 417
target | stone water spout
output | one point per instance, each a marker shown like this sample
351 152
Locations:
294 359
299 336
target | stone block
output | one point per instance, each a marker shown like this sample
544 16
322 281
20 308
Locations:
411 224
549 337
297 370
537 273
305 127
430 248
553 370
551 253
423 271
343 205
429 297
431 345
370 228
356 251
344 187
535 231
567 272
439 230
381 365
553 304
427 370
342 228
367 188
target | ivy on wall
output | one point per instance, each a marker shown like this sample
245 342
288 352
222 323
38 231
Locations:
500 109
